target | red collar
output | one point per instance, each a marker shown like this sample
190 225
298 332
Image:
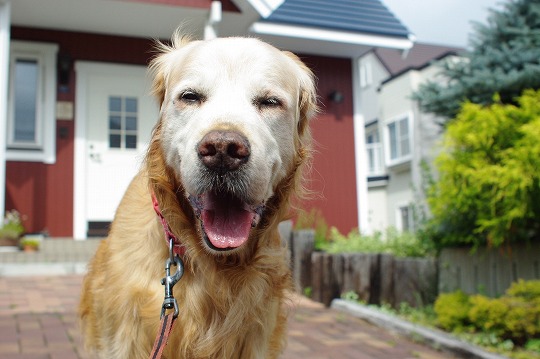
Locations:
179 248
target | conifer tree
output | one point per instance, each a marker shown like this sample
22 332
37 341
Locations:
504 59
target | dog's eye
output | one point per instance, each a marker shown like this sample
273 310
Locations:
269 102
191 97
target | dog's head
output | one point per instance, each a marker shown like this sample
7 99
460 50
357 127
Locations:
233 125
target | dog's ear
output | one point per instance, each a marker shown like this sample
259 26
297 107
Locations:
307 101
160 65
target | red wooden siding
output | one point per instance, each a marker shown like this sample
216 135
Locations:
44 193
333 177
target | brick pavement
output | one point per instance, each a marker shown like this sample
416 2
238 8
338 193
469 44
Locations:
38 320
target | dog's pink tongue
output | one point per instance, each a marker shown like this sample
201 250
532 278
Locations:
226 222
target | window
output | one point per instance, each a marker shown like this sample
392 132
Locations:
31 106
374 152
366 77
405 219
399 140
123 122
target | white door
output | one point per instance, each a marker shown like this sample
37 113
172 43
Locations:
115 117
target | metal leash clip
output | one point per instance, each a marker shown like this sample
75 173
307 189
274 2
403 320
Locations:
169 281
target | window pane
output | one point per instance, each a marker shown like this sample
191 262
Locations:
25 100
114 141
405 147
115 104
131 104
393 141
131 123
371 161
115 123
131 141
405 218
404 127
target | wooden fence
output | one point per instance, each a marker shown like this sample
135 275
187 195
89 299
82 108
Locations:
375 278
383 278
488 271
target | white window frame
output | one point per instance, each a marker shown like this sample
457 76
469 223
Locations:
44 149
400 159
377 150
400 225
366 75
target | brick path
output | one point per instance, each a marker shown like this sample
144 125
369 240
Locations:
38 320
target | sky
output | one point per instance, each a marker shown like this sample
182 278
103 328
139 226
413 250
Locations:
442 22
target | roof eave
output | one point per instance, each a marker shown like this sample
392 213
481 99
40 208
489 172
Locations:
353 43
265 8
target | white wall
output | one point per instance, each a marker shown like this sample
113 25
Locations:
5 22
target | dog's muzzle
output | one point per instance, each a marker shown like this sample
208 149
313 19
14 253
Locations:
222 208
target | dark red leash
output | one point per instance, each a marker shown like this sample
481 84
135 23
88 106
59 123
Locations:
165 328
176 249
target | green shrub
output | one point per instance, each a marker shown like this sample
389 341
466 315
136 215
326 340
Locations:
522 321
452 311
528 290
400 244
488 314
514 317
314 219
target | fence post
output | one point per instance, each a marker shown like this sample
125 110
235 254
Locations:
302 246
325 277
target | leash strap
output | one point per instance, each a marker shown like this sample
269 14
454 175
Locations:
165 328
169 235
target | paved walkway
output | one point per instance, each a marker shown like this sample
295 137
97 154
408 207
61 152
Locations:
38 320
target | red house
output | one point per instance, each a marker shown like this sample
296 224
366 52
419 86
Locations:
75 115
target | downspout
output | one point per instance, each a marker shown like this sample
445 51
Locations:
5 23
360 153
214 18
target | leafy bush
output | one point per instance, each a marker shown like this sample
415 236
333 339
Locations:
528 290
452 311
400 244
12 226
488 314
514 316
488 190
313 219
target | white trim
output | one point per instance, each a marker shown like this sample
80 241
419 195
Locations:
399 218
214 18
266 7
360 153
83 71
329 35
45 55
387 149
5 24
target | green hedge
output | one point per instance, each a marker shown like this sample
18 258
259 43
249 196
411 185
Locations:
514 316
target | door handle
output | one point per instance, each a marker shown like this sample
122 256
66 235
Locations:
94 156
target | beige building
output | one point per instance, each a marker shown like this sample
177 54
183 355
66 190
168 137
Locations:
398 137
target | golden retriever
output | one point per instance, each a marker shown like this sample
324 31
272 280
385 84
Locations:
224 162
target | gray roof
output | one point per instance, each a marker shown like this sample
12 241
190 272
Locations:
357 16
420 55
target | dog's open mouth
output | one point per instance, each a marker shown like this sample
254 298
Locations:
226 219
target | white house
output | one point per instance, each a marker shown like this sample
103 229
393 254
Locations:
398 136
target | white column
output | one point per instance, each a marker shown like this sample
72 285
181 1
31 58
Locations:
5 24
360 152
214 18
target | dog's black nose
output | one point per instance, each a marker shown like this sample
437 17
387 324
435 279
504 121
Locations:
223 151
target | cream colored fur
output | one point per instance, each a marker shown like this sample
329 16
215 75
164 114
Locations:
232 303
